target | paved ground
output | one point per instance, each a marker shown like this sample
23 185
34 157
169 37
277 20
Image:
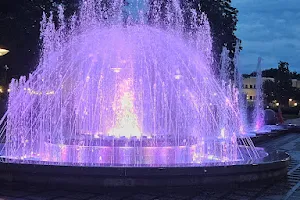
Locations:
288 188
293 121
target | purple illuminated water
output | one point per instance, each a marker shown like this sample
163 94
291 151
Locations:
141 93
238 81
259 102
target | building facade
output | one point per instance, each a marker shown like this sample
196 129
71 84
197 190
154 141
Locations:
249 88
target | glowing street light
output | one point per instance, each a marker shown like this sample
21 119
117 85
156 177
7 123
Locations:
3 52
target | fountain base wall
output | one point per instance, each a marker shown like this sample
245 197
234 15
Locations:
272 167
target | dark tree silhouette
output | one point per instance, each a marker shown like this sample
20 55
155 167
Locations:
295 75
223 20
222 17
283 83
269 89
20 25
20 30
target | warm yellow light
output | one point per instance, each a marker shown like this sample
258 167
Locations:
8 90
290 99
116 69
277 104
126 119
177 77
1 90
295 104
3 52
50 92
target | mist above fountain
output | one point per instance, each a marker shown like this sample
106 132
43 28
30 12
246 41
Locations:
114 90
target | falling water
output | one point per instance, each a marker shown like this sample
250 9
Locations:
258 114
238 79
225 66
113 88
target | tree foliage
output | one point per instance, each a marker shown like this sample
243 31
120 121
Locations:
272 73
20 29
295 75
269 89
223 20
20 25
283 83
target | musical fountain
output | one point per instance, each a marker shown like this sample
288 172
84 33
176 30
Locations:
127 92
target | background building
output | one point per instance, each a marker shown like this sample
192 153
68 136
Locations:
296 83
249 88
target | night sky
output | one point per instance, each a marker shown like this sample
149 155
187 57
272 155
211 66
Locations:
19 32
268 28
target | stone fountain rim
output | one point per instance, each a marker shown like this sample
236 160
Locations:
145 176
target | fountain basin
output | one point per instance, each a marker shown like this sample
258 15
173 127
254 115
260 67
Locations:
133 104
273 166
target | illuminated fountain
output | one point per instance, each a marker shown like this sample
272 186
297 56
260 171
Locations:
258 114
120 89
238 81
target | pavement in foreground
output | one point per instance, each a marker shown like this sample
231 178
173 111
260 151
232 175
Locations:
287 188
293 121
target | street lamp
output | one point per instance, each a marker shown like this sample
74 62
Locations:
3 52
